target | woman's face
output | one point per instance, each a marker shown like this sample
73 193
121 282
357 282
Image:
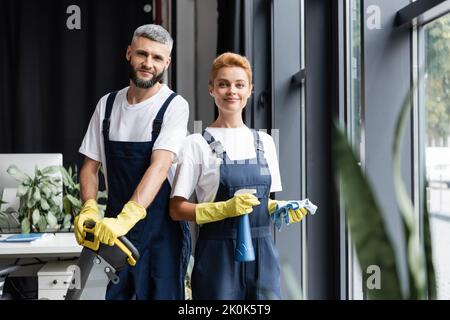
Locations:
230 89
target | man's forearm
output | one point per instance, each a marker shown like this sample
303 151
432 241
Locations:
150 184
88 185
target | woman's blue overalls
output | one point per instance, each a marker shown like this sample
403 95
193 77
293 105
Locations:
216 275
164 245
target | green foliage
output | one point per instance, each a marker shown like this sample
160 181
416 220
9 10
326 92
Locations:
42 204
437 71
40 198
72 200
365 221
421 270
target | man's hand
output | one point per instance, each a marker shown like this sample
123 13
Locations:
108 230
88 212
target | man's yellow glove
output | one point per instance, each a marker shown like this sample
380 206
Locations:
88 212
214 211
294 215
108 230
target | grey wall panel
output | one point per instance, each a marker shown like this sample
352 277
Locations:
206 41
321 85
196 49
286 117
386 74
185 46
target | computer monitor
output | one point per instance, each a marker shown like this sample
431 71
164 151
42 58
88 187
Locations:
25 162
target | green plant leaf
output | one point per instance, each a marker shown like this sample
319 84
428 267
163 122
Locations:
67 223
42 224
66 177
46 190
37 194
30 200
17 174
25 225
44 204
57 200
35 216
76 202
365 221
67 205
21 190
51 219
431 277
415 256
51 170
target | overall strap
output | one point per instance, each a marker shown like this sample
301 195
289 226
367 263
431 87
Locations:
259 149
216 146
106 121
157 122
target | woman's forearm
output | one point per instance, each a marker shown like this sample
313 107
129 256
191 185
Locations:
181 209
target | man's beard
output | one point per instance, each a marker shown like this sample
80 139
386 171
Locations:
144 84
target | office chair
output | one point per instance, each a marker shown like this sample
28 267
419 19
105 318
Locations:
5 271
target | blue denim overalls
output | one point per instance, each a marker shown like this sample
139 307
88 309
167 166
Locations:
164 245
216 275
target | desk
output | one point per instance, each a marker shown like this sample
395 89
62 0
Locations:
50 251
62 245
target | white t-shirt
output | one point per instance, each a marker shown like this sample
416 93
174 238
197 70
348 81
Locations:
199 168
134 123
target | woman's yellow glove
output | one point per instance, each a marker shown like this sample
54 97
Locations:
88 212
214 211
108 230
294 215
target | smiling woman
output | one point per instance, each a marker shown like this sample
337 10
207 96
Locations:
232 170
230 85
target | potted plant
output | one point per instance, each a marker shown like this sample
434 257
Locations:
40 199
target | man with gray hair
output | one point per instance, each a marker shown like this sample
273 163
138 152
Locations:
135 134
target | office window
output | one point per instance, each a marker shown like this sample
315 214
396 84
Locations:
354 123
354 115
437 145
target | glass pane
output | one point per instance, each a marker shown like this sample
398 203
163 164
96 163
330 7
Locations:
355 116
437 143
354 120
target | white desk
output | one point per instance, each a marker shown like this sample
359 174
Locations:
63 245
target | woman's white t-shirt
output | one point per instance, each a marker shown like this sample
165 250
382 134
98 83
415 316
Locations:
134 123
198 168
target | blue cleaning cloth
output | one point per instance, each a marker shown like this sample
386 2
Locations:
280 217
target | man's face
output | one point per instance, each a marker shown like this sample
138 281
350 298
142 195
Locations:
148 61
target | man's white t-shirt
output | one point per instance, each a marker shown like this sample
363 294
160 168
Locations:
198 168
133 123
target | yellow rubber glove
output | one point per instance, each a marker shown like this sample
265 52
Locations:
294 215
214 211
108 230
88 212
